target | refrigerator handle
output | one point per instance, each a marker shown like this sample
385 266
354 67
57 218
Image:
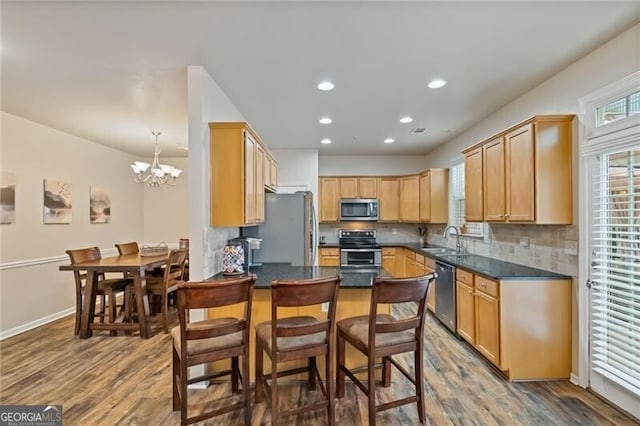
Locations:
314 235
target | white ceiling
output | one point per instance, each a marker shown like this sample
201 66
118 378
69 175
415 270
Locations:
112 72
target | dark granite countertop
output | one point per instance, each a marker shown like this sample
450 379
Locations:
487 266
351 277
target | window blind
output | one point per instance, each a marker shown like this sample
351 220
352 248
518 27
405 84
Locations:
615 270
457 196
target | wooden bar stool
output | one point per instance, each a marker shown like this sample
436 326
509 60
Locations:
107 288
297 338
379 336
203 342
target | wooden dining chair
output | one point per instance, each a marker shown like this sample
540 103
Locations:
297 338
161 287
379 336
214 339
128 248
106 290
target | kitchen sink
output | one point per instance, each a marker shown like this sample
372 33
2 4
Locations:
438 250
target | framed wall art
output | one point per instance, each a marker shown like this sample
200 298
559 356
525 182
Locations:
99 205
57 202
7 197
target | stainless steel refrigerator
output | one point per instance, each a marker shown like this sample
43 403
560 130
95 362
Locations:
289 230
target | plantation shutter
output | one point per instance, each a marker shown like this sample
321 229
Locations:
615 268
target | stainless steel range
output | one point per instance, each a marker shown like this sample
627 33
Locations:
358 248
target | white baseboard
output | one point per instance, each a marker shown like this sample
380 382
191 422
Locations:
37 323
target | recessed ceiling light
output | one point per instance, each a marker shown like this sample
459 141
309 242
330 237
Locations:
326 85
436 84
326 120
406 120
325 141
389 140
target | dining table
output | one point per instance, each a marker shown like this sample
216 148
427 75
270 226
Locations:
132 265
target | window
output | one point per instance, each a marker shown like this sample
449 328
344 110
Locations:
618 109
456 203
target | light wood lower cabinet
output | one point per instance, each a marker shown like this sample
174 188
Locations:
329 256
389 260
429 267
521 326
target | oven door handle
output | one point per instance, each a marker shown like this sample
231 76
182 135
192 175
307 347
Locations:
360 250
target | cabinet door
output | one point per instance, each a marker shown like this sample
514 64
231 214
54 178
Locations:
465 312
494 183
368 187
410 199
520 189
473 185
274 174
389 199
329 256
389 264
425 197
349 187
250 179
329 198
260 180
488 326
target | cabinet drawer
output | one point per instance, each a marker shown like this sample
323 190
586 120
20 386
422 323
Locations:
487 286
388 251
330 251
464 276
430 263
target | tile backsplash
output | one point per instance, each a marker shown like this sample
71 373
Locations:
539 246
549 247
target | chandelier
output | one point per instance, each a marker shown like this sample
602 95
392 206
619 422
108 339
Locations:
158 173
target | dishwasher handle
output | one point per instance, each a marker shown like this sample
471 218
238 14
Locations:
445 266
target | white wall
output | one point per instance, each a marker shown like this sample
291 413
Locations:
207 102
297 167
32 290
337 165
166 209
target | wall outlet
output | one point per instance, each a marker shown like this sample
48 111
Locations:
571 247
394 231
324 307
524 242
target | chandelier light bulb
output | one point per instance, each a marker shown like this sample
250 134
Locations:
158 173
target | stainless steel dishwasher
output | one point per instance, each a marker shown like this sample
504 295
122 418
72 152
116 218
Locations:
446 295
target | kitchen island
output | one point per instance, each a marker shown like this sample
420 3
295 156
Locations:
354 298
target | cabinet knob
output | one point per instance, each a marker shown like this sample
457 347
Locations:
469 291
500 216
483 284
507 215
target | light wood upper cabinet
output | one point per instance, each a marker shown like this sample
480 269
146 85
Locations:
526 173
434 196
410 199
329 199
358 187
473 202
368 187
349 187
493 178
389 199
270 173
260 183
237 175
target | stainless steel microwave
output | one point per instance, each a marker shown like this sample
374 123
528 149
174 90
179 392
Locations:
359 209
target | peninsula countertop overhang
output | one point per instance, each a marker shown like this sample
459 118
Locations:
351 277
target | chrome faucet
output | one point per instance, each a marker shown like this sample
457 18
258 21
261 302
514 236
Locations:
445 235
460 249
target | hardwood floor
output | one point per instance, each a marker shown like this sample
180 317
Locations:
125 380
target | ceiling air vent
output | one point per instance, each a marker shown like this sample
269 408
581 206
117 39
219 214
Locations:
418 130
